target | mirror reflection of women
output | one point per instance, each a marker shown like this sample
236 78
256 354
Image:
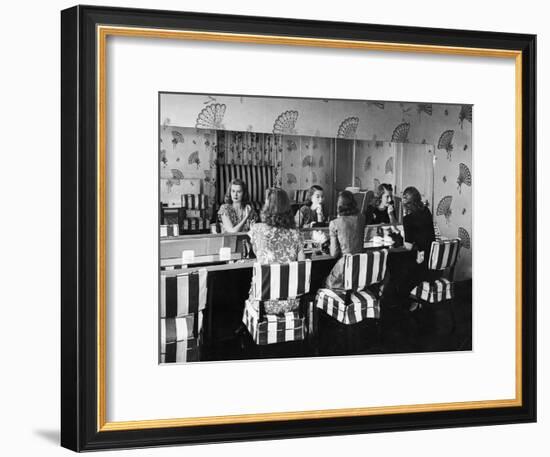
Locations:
236 214
346 236
313 212
382 210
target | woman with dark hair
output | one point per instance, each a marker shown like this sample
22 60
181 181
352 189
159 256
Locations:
276 240
418 225
347 233
419 234
312 213
382 210
236 213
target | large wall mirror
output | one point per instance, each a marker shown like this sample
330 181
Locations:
213 158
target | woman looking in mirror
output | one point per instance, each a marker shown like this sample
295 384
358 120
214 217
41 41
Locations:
313 212
236 214
419 235
276 240
346 236
382 210
418 225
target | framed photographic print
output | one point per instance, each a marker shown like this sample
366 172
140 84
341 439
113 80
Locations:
284 228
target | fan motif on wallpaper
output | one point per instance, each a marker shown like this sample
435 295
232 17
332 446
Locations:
291 179
291 146
177 174
389 165
465 114
445 142
177 137
308 161
464 237
376 184
379 105
368 163
211 117
286 122
424 108
444 207
348 128
401 133
163 158
464 177
194 159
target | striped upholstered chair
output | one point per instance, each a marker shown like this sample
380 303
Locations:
182 302
355 302
277 282
443 256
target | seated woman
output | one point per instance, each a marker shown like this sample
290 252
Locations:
276 240
382 210
419 235
346 236
236 214
312 213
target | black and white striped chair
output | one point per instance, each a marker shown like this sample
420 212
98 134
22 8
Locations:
281 282
258 178
355 302
182 302
443 256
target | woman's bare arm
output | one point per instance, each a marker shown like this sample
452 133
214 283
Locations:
228 225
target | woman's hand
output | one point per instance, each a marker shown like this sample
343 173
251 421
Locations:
390 209
420 256
319 211
247 211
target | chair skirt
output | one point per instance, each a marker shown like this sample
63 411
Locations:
273 328
362 305
436 291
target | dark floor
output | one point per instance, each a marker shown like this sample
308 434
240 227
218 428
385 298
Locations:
437 328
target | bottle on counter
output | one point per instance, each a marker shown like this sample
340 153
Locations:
244 252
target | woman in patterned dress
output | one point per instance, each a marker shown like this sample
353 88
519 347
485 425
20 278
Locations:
236 214
276 240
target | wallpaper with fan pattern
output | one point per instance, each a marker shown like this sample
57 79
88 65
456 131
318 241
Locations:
307 161
447 126
374 164
187 153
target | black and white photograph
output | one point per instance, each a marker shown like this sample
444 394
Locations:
306 227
